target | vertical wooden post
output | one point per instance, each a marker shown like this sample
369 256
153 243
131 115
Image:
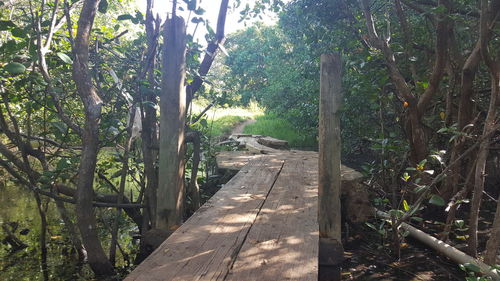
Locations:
329 146
329 214
170 192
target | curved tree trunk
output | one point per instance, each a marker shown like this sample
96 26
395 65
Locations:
487 12
90 137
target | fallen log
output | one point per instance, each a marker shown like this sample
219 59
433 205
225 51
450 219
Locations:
449 251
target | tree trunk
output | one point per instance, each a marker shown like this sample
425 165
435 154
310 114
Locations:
493 244
71 229
170 194
489 124
121 190
193 188
149 119
90 138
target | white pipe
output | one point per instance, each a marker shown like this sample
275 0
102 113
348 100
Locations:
451 252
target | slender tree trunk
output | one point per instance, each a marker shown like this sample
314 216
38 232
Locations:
121 190
149 119
489 123
487 12
493 244
42 237
465 108
90 137
170 194
71 229
210 54
193 188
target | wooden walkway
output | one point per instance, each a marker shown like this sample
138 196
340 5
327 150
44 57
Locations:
261 225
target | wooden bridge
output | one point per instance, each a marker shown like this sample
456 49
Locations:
261 225
265 223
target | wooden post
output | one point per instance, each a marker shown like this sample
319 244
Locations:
329 214
329 146
170 192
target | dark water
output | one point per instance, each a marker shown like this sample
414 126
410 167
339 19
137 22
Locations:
19 213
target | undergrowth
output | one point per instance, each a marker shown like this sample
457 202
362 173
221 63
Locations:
276 127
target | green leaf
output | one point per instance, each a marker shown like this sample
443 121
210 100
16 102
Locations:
15 68
139 16
371 226
418 219
65 58
63 164
196 20
19 32
125 17
191 5
6 25
436 200
471 267
199 11
419 188
406 207
103 6
204 123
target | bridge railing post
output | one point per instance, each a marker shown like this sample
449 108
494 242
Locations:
329 146
329 211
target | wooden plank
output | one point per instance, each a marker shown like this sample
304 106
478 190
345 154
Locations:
273 143
233 160
283 242
250 143
205 246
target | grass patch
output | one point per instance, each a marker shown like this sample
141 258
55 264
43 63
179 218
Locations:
221 121
224 124
276 127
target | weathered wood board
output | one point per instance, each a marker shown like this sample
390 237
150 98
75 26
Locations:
205 246
262 225
233 160
273 143
283 242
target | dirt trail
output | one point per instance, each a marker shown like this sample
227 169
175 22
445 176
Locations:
239 128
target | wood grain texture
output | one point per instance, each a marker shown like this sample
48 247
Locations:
329 146
283 242
205 246
170 193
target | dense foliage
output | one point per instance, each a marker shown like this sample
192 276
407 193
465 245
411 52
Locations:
80 82
420 95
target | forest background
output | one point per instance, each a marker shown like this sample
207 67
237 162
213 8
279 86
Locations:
81 81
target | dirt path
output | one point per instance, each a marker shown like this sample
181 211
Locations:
239 128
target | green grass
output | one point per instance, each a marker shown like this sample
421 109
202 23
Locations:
224 124
276 127
221 121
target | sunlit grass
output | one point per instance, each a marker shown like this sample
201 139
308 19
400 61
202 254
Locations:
224 124
276 127
221 121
